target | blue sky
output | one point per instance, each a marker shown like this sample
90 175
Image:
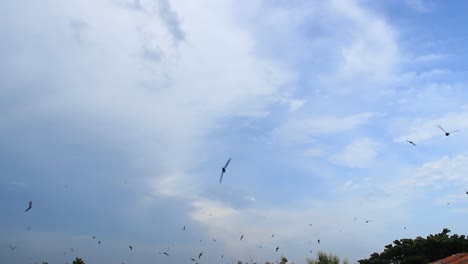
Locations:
116 117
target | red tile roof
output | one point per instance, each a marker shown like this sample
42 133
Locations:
460 258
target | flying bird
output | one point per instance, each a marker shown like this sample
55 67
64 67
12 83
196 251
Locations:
29 207
94 237
199 255
447 133
223 170
273 235
165 253
466 192
367 221
241 237
277 249
29 227
99 242
131 248
12 247
183 228
411 142
214 240
193 259
318 240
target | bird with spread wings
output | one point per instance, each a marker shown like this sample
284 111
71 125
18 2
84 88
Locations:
223 170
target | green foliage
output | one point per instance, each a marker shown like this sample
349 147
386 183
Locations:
324 258
419 250
284 260
78 261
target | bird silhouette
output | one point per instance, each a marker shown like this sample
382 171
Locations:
29 207
223 170
193 259
367 221
411 142
277 249
273 235
12 247
241 237
99 242
29 227
200 255
94 237
318 240
447 133
183 228
131 248
214 240
466 192
165 253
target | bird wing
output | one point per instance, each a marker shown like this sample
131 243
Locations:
227 163
441 128
454 131
221 177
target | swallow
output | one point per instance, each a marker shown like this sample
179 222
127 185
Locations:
199 255
29 207
318 240
367 221
223 170
165 253
99 242
214 240
277 249
183 228
447 133
241 237
273 235
131 248
193 259
411 142
94 237
12 247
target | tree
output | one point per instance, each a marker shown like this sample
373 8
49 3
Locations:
284 260
324 258
78 261
419 250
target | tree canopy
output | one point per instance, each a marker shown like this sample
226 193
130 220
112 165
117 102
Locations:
420 250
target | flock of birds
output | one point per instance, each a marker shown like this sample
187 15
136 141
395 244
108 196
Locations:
223 171
445 133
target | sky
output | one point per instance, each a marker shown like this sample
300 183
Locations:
116 117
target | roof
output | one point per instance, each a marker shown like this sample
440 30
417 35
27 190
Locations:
460 258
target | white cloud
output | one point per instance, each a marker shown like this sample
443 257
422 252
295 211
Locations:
296 131
437 173
421 6
426 129
360 153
